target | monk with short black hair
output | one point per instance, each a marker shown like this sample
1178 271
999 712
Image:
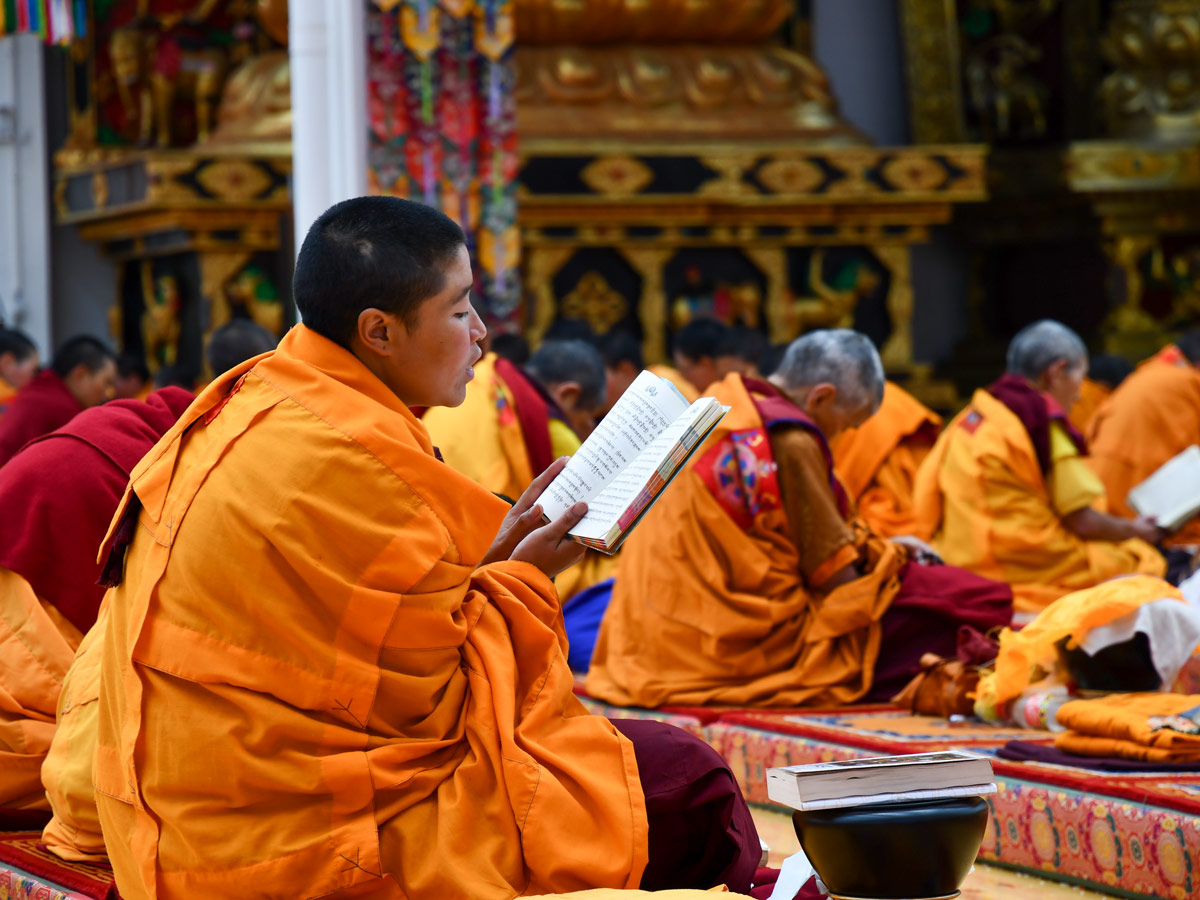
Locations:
334 665
749 582
80 376
1007 492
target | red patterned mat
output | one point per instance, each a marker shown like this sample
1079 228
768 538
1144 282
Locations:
22 850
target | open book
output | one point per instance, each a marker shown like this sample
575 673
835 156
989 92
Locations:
633 454
884 779
1171 495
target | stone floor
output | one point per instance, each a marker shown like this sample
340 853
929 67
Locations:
984 883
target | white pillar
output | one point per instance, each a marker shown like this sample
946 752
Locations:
327 49
24 191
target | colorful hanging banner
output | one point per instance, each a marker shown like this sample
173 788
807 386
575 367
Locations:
55 21
442 126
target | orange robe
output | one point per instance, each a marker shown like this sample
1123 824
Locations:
37 645
484 440
982 500
1151 417
878 461
308 686
710 606
1092 395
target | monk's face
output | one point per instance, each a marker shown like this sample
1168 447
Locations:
828 411
617 380
430 362
700 372
92 388
16 372
1063 381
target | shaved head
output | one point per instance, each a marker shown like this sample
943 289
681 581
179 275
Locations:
841 357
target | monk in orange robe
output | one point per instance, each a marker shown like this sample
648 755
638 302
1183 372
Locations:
748 582
333 665
694 350
58 495
18 364
1153 416
1006 491
878 461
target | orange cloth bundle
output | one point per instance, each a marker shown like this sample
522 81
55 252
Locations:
1159 728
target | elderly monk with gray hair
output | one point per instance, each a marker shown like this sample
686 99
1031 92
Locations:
750 582
1006 492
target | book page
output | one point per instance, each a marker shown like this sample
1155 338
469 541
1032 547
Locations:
643 412
1172 494
607 507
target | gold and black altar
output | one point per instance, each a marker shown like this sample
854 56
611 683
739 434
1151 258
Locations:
679 159
1092 112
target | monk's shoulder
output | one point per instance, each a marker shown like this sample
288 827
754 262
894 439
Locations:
797 442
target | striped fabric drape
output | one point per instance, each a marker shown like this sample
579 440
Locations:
57 21
442 129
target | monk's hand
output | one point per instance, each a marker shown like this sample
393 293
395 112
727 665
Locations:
919 551
549 548
524 517
1148 530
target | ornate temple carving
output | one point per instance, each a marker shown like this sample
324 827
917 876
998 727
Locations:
1153 90
177 165
679 160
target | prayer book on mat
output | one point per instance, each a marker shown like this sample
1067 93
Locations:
627 462
1171 495
883 779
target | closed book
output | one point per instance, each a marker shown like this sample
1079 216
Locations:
887 776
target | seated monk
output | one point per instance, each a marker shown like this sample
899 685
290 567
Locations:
749 584
1105 374
1007 493
1153 416
58 495
81 376
333 665
18 364
878 461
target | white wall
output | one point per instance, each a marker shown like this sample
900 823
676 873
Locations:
24 191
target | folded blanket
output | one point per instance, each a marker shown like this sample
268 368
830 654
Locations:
1153 727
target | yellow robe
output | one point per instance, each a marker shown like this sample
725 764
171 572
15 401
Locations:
308 686
878 461
36 648
983 502
74 831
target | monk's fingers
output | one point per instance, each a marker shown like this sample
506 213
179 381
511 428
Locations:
540 484
557 530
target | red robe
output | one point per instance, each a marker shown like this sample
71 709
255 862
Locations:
42 406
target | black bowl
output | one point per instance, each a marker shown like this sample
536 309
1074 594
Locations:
894 850
1127 666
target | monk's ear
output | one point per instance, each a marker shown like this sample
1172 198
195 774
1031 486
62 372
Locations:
376 331
821 396
566 394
